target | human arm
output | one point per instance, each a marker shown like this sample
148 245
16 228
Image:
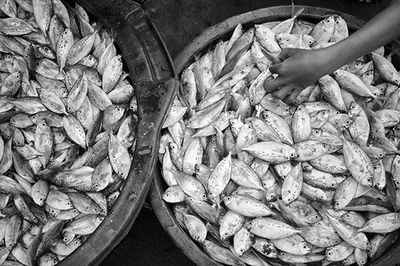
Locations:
301 68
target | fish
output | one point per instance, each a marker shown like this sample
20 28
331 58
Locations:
64 44
323 30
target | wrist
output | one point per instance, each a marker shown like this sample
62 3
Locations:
325 59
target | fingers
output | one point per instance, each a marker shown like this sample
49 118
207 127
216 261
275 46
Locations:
292 97
283 92
285 53
271 84
274 69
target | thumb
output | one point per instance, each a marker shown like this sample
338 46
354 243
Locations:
287 52
283 92
271 85
274 69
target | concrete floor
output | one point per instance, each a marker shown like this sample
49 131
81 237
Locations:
179 22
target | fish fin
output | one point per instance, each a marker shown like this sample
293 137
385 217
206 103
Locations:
298 12
292 12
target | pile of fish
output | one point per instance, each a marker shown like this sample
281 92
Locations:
67 129
314 177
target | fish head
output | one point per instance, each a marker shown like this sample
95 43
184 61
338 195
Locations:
201 170
166 195
347 121
269 250
289 199
300 108
46 49
234 122
41 123
188 199
69 107
337 72
280 37
361 261
283 254
306 167
370 181
189 123
204 196
265 114
328 20
271 197
306 248
293 155
309 40
13 120
368 73
314 217
396 80
380 155
227 199
249 224
352 106
347 215
317 132
329 253
231 114
173 146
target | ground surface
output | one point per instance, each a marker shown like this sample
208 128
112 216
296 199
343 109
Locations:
179 22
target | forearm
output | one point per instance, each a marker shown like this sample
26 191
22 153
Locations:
380 30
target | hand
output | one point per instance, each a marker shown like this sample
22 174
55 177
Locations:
299 68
